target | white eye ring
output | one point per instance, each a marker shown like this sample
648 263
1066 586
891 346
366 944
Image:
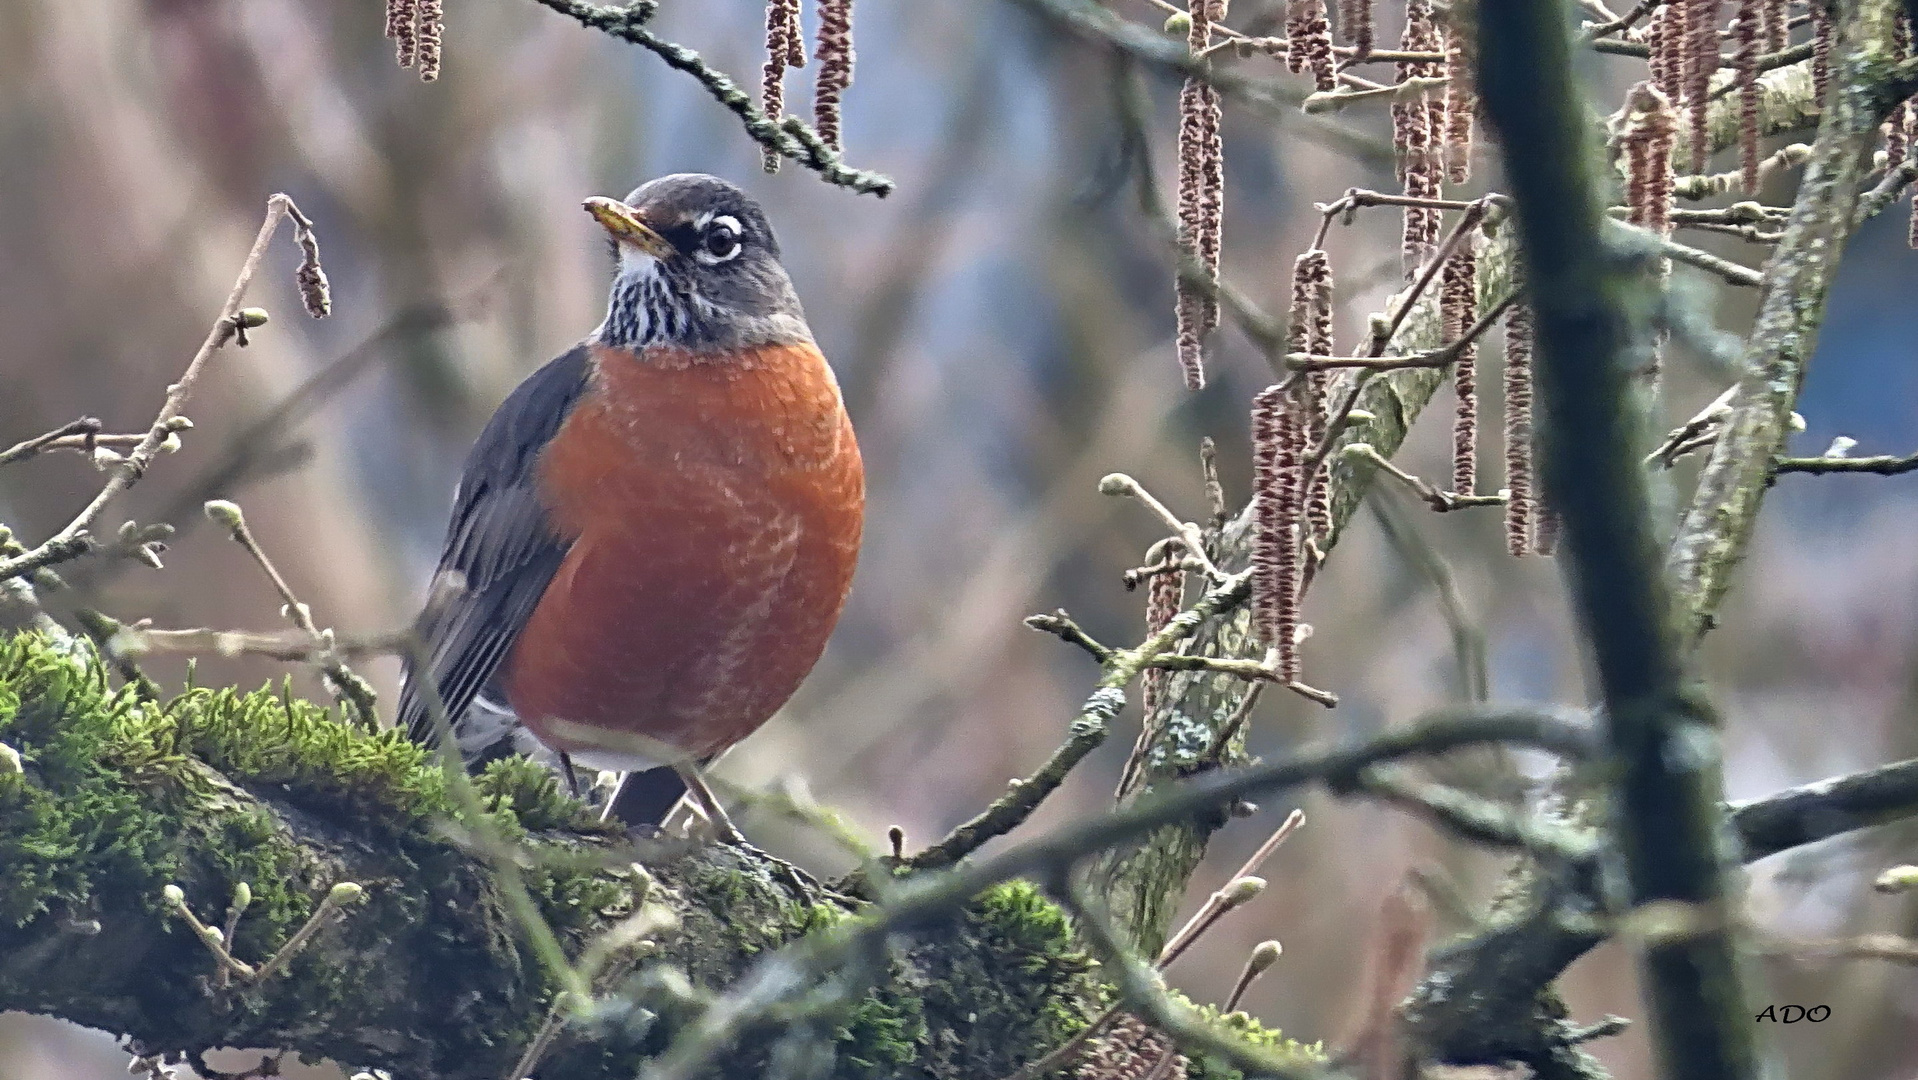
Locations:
729 226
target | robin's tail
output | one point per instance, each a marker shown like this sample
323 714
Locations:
645 798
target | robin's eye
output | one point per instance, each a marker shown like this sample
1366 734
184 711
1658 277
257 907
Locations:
719 242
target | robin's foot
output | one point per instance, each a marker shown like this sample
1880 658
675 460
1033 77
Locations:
722 826
724 831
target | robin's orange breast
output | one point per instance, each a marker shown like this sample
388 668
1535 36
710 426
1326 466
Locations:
715 507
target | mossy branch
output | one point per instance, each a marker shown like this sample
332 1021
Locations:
1867 82
430 977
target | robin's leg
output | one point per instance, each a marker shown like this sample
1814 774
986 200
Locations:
606 812
572 777
727 833
723 828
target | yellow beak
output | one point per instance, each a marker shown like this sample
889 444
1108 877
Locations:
625 225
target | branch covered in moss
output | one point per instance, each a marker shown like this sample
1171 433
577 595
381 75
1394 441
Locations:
1867 83
118 798
131 824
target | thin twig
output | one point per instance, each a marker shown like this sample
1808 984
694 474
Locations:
1061 625
1478 819
141 640
353 691
1088 731
1441 501
794 138
1881 465
71 541
1225 899
1438 357
1691 256
337 899
1188 533
1229 730
76 433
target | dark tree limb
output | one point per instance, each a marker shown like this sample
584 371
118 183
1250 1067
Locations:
1830 807
1592 309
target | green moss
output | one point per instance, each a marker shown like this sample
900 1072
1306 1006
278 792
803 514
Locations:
881 1036
1008 985
303 751
108 777
1241 1026
65 723
527 793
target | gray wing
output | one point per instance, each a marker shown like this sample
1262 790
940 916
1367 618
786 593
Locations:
499 541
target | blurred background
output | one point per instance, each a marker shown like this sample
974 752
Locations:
1002 328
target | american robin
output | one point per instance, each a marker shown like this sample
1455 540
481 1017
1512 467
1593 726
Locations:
657 530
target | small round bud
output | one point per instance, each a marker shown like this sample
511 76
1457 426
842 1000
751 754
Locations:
174 895
242 896
1264 955
149 555
10 761
106 457
225 514
216 934
1178 24
179 423
1361 416
1114 484
346 892
1897 879
570 1001
252 318
170 444
1239 890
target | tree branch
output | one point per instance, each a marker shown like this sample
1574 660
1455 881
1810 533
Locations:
433 976
789 138
1830 807
1711 540
1591 309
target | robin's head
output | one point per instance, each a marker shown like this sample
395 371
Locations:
698 269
